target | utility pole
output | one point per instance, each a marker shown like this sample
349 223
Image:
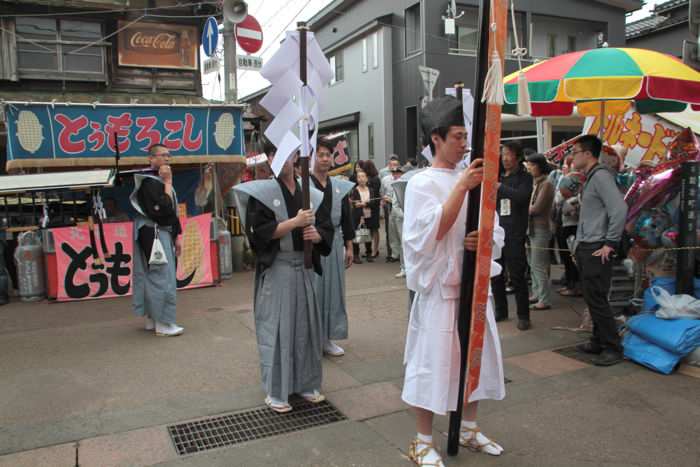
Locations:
230 63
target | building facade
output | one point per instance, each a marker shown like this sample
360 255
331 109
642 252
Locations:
376 48
102 51
664 30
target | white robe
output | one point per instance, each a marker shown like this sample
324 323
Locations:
433 271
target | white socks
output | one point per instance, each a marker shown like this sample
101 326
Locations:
477 440
432 457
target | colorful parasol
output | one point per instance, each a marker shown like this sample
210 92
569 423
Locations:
656 82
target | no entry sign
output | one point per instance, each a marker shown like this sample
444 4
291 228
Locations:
249 34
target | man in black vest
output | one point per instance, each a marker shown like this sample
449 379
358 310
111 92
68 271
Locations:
514 192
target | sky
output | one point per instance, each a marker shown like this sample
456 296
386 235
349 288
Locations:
277 16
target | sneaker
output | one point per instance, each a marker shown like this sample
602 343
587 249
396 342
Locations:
608 357
524 324
333 349
500 318
168 330
400 275
150 324
590 348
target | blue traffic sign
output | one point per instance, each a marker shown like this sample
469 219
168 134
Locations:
210 36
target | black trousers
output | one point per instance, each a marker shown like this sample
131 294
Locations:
595 284
514 260
387 213
570 270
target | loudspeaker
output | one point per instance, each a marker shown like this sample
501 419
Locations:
235 11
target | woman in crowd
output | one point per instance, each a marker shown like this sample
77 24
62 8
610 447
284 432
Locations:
363 200
539 231
567 195
375 185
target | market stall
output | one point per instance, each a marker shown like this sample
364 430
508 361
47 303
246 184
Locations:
82 223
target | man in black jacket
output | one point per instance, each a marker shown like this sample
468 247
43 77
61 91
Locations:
514 193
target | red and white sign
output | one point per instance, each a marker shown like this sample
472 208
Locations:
249 34
81 278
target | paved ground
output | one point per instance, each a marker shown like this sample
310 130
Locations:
84 377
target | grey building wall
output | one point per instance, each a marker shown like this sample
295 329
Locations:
368 92
668 40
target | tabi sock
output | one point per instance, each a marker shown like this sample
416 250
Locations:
432 457
492 449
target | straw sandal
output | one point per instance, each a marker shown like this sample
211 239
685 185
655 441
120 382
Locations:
468 439
314 397
278 406
418 457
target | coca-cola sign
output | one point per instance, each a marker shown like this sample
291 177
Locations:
155 45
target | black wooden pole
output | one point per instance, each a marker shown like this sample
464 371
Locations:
474 200
685 270
304 160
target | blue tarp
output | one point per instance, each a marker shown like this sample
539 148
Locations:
650 355
680 336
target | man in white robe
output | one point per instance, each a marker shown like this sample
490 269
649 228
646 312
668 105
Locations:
434 239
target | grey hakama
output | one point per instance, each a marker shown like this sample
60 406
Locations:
330 286
153 286
287 317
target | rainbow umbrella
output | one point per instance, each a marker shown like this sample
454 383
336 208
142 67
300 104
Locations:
654 81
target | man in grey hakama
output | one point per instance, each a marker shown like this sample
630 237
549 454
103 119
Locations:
330 286
154 286
287 318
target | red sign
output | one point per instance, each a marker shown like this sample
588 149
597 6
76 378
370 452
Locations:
249 34
80 277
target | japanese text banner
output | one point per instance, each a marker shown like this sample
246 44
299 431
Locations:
79 277
47 135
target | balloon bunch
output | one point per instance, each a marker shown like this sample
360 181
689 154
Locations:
656 185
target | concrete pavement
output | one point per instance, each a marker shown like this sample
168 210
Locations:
84 377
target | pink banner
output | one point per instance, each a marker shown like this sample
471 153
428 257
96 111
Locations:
194 264
82 277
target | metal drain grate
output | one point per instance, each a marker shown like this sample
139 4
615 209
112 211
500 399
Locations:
226 430
571 352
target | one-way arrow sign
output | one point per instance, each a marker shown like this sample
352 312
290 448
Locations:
210 36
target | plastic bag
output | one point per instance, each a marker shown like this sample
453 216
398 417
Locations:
157 251
675 306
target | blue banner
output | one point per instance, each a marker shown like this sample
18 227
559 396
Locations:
41 132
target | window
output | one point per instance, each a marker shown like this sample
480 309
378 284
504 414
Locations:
467 32
364 55
60 49
412 29
520 24
375 50
370 140
551 36
551 45
337 67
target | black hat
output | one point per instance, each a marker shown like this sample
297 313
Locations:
442 112
540 160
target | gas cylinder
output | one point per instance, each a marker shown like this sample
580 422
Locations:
4 277
223 237
29 259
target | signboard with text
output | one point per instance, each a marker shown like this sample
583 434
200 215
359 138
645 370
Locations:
249 62
645 136
41 135
157 45
80 277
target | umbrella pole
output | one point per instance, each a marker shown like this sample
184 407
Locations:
601 129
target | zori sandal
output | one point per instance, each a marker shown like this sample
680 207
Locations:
469 438
427 450
277 405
